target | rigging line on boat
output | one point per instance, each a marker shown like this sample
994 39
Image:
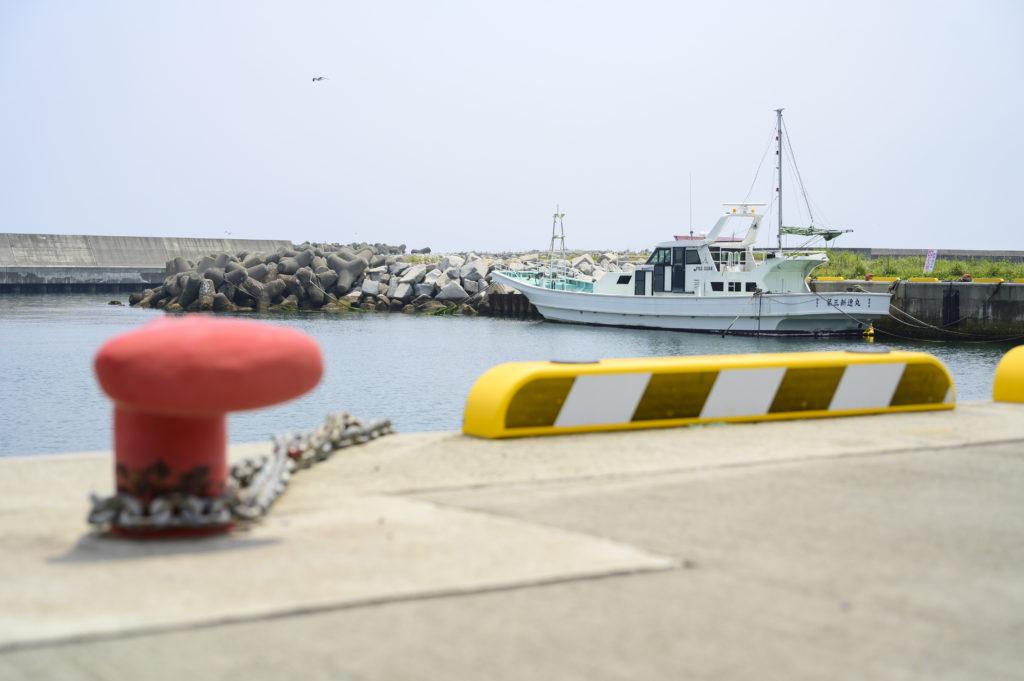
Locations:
757 294
760 165
796 170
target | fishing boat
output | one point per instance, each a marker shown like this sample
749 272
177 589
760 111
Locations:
710 283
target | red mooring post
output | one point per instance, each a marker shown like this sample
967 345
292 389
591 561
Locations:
174 380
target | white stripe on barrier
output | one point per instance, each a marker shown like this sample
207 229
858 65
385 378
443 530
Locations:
597 399
742 392
867 386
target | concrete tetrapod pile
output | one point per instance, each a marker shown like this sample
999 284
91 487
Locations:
334 278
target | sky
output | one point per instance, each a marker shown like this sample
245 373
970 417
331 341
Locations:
461 126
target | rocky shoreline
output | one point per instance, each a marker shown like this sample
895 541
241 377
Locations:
368 277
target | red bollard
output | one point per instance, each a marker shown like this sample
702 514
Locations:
174 380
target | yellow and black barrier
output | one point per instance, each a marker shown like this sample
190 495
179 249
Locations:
548 398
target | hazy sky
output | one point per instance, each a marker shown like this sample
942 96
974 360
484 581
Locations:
461 125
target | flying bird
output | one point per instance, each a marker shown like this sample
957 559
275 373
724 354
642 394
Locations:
319 78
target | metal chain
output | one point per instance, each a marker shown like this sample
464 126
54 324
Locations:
253 487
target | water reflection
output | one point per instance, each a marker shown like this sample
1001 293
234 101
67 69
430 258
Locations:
412 369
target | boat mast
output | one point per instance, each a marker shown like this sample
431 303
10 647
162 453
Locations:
557 234
778 167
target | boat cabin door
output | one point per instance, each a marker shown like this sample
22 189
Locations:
678 269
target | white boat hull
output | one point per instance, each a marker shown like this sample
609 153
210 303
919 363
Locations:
752 314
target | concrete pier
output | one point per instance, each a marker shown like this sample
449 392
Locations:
885 546
944 310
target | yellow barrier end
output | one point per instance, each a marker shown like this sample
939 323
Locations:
923 279
988 280
885 279
550 398
831 278
1018 281
1008 383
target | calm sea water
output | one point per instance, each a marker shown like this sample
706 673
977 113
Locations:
415 370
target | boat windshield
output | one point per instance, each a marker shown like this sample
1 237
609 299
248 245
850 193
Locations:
661 256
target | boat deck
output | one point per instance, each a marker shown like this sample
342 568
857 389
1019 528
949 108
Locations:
885 546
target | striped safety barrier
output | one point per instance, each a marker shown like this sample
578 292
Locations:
547 398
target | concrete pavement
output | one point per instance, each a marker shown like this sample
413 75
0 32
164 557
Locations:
887 546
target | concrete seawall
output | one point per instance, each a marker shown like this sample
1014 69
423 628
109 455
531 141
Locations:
61 262
944 310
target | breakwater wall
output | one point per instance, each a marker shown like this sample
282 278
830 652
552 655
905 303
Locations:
944 310
35 263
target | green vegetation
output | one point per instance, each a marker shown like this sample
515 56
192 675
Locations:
852 266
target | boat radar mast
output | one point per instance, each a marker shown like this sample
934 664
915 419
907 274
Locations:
778 168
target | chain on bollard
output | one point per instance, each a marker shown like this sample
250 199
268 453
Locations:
253 486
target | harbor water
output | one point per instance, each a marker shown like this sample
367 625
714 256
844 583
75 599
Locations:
415 370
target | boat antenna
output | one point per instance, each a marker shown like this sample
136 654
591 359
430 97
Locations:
691 205
778 167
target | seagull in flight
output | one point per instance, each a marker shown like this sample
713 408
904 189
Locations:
319 78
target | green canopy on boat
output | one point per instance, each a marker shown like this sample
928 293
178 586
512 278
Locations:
827 234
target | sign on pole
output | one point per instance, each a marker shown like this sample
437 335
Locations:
929 262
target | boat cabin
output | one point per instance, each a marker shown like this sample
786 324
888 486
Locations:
714 265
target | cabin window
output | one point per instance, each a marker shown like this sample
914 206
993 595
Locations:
751 287
661 256
692 256
677 255
735 286
716 286
624 279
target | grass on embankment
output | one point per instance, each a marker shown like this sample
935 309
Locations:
854 266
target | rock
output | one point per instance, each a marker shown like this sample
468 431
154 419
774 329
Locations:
585 258
425 290
178 265
204 263
432 306
257 271
305 257
252 288
252 260
474 270
236 277
452 293
221 260
399 267
288 265
190 290
222 304
472 287
403 292
455 261
370 287
349 273
328 278
414 274
376 273
114 302
216 275
275 290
